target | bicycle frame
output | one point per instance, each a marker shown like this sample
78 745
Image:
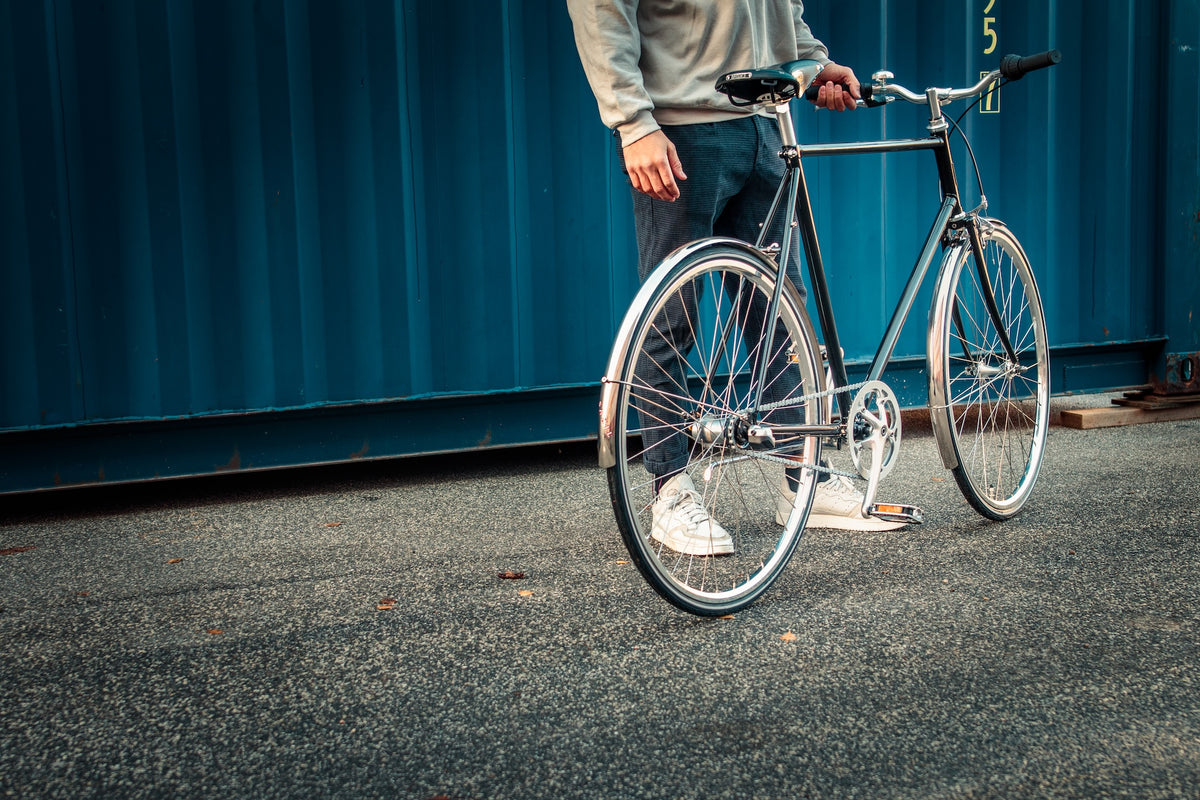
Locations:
715 403
793 195
795 187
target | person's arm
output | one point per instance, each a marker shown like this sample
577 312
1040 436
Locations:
807 45
606 35
609 44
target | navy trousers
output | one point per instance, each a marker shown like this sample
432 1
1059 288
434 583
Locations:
733 170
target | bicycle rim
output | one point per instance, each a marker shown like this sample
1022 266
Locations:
719 295
992 411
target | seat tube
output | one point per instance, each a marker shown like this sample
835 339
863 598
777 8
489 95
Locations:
792 181
819 286
793 178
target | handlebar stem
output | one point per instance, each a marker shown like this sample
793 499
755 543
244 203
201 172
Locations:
937 123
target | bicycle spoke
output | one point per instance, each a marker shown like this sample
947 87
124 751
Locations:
691 383
997 409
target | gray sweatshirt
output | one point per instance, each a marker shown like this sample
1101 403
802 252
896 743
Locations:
654 62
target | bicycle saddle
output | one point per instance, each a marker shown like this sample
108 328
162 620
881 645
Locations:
774 85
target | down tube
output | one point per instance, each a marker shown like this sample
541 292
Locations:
929 252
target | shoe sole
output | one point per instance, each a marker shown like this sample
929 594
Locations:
715 550
838 522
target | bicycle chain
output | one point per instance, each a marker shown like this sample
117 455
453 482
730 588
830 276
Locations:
787 462
854 387
791 401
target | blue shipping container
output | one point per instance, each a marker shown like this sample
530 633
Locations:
254 235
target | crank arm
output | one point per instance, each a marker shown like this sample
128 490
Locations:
892 512
873 479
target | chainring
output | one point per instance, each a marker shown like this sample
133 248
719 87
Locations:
874 427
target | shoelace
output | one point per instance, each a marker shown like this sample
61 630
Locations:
695 513
841 486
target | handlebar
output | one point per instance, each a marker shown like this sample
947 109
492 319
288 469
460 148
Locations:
1016 67
1012 67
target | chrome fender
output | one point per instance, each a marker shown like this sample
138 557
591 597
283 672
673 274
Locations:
609 384
936 368
941 415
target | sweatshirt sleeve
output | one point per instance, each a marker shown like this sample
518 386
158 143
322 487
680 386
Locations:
606 35
807 45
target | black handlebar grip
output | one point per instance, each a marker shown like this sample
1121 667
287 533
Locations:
815 90
1016 67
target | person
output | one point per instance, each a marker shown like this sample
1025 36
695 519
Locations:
699 166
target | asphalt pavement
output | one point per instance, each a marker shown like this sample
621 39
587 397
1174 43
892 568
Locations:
345 632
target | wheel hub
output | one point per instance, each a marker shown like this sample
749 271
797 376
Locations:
731 430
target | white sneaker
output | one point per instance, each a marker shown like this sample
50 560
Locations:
836 504
682 523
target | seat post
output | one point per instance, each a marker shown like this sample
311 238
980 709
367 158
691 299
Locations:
783 117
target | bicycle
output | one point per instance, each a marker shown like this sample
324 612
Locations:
754 391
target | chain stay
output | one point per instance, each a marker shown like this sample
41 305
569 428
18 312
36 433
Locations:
787 462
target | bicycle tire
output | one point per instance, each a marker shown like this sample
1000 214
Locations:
990 414
718 284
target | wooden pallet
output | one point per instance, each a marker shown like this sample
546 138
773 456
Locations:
1135 408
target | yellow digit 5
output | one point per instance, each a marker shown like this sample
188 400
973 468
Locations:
989 32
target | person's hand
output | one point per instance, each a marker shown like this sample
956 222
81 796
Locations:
832 95
654 166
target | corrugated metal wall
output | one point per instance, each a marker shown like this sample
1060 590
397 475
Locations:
273 204
329 227
1068 160
1179 165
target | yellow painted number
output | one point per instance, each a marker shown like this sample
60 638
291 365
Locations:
991 100
988 30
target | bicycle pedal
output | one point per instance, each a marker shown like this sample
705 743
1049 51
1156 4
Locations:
898 512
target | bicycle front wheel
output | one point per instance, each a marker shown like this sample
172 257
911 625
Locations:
689 402
990 410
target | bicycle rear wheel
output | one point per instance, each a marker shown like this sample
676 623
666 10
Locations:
990 413
688 387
